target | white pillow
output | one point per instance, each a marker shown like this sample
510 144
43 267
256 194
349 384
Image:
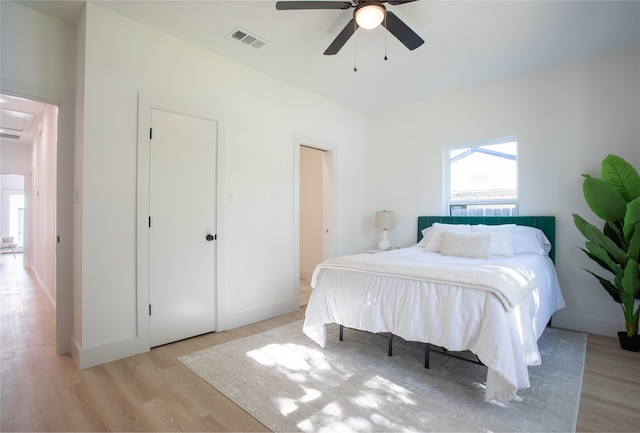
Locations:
433 243
426 234
475 245
530 240
501 238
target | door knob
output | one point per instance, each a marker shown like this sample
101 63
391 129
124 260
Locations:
210 237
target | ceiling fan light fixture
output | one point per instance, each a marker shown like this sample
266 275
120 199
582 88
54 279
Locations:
369 15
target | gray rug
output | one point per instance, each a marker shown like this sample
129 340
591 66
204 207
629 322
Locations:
289 383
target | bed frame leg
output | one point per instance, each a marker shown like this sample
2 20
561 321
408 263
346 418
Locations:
426 356
390 351
341 330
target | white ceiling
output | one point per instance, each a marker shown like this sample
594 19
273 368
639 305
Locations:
19 119
467 42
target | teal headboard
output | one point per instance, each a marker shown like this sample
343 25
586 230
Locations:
545 223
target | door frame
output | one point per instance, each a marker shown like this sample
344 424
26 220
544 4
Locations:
65 241
146 102
330 149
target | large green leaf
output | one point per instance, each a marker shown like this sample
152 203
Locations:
633 252
593 234
631 218
613 230
622 176
580 223
600 255
596 259
631 280
604 199
611 288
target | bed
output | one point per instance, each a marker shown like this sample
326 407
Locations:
483 284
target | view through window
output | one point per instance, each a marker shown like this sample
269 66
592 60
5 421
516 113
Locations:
482 178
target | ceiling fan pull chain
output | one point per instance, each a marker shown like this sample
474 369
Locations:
355 46
385 36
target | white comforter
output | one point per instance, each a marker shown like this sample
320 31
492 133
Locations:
498 312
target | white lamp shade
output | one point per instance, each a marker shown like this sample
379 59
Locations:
385 220
369 16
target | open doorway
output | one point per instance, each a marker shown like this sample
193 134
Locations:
28 183
315 214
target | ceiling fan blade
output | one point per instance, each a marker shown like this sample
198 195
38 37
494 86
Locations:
400 2
342 38
297 5
402 31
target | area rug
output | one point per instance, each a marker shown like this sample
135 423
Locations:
289 383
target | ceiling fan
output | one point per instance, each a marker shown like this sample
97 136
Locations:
367 14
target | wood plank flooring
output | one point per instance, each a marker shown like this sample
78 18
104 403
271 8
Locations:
305 292
42 391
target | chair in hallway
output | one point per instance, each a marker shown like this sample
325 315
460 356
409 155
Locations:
8 244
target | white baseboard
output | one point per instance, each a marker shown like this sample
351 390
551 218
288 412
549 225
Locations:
243 318
96 355
75 351
41 286
588 324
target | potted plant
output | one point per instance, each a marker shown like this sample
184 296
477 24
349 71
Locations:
615 198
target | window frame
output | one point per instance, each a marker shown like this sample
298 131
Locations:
446 173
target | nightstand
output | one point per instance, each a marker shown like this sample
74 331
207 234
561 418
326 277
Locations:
379 251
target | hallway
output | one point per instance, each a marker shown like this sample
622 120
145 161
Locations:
29 360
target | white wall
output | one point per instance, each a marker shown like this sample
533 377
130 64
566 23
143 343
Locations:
567 120
14 158
38 61
77 313
43 203
260 118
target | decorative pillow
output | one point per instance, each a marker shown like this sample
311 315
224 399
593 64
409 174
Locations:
501 238
530 240
433 243
475 245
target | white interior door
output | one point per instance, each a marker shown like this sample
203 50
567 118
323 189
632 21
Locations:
182 197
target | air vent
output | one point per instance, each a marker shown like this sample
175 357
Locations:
15 120
247 38
11 136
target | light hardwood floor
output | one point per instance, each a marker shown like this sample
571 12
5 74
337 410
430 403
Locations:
305 292
42 391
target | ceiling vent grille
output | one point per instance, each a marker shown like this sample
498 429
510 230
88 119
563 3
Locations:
247 38
11 136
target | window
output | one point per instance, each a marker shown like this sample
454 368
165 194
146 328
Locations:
482 178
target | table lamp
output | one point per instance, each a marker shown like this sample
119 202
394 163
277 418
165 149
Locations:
385 220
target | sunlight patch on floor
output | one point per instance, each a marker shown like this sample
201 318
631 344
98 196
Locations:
291 357
393 391
305 366
286 405
310 394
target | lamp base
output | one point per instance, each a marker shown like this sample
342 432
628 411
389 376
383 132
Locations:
384 243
